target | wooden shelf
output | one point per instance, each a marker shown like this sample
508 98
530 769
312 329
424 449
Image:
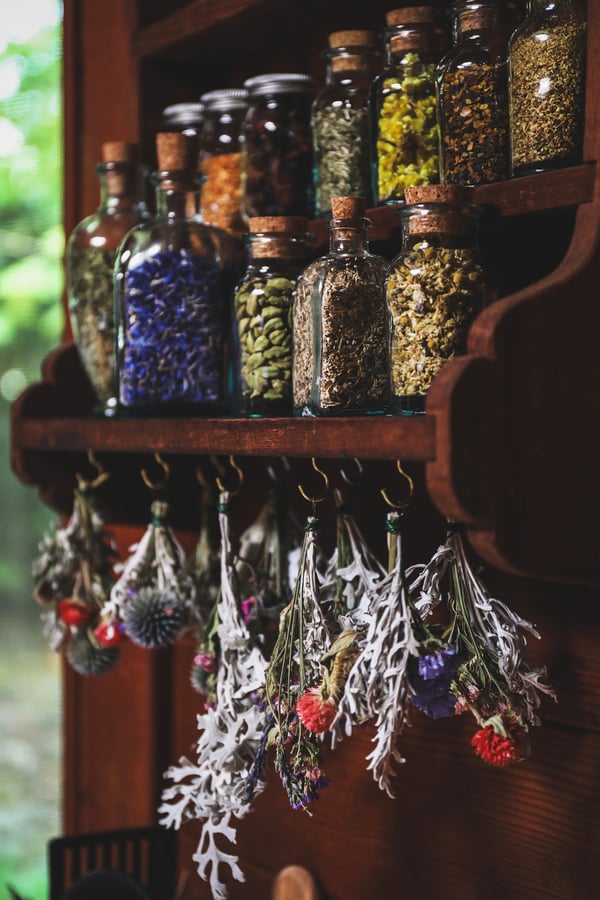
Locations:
381 437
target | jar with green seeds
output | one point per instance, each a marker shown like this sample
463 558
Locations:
435 288
405 147
278 249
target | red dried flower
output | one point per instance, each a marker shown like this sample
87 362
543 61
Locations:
74 612
501 742
314 712
107 634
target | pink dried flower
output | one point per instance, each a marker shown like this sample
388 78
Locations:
315 712
206 661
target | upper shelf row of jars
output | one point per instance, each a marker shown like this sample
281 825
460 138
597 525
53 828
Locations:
468 99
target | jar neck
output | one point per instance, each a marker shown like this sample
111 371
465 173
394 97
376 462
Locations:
481 24
556 9
349 237
120 186
176 195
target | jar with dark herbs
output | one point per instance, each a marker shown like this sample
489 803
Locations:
435 288
547 87
90 260
277 249
340 323
277 159
340 119
405 130
472 82
221 159
174 279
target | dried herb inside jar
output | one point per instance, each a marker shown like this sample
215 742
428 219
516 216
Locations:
407 130
91 309
172 344
352 374
474 118
302 330
547 95
343 164
433 295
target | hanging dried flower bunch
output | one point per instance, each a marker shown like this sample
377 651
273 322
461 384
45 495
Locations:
154 599
73 575
489 673
213 786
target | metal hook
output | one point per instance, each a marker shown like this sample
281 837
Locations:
240 475
325 479
100 478
352 481
404 503
286 468
158 486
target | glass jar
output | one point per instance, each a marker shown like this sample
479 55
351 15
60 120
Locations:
405 131
90 259
221 159
340 323
184 117
277 250
277 161
547 87
434 288
472 81
340 120
174 277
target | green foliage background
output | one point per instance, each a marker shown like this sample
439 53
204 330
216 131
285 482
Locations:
31 281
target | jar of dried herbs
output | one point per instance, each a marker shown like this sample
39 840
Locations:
277 158
340 119
472 82
174 281
185 117
434 288
547 87
277 249
90 260
340 323
405 129
221 159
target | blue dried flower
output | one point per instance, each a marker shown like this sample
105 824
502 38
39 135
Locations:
431 683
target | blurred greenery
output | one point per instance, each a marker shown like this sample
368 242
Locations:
31 280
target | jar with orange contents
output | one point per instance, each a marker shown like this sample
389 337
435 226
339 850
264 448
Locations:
220 159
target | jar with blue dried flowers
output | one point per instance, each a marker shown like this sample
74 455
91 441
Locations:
173 284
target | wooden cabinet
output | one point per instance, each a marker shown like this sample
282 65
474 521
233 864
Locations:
508 447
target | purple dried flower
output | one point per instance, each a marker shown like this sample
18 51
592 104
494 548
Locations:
432 682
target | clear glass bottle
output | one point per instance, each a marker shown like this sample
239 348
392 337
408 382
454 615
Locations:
547 63
90 260
277 159
472 83
434 289
185 117
173 283
221 159
340 323
340 120
405 130
277 248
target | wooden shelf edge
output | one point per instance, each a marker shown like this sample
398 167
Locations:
385 437
192 19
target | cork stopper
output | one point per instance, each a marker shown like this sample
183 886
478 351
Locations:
353 38
176 151
415 15
348 207
479 17
454 194
278 224
452 213
119 151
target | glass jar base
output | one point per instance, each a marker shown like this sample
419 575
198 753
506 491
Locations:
410 405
